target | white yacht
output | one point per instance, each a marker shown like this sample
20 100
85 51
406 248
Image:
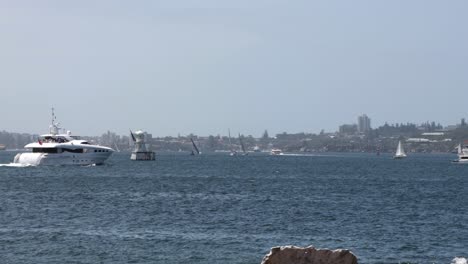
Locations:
276 152
400 152
62 149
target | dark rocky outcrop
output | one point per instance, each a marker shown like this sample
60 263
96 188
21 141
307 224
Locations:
308 255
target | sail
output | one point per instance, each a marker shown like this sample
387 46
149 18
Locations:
233 152
133 137
242 144
400 151
194 146
116 147
229 134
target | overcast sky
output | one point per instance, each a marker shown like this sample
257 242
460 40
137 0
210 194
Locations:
204 66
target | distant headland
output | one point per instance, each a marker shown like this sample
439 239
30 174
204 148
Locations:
428 137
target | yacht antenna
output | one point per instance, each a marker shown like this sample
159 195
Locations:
53 116
54 128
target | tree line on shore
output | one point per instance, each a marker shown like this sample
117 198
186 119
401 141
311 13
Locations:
380 139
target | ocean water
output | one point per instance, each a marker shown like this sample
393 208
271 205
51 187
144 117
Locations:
221 209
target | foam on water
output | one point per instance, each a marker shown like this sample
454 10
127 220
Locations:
459 260
300 155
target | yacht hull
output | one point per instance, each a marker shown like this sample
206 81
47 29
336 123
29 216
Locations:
461 159
62 158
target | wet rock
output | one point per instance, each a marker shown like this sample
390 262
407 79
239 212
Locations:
308 255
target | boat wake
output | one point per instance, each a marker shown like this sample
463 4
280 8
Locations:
304 155
16 165
459 260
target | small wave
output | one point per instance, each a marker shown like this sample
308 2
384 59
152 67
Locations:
458 260
16 165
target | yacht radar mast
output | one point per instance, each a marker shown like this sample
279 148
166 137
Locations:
54 128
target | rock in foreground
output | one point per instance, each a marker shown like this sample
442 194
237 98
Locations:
308 255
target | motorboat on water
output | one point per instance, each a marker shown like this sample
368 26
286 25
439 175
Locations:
257 149
400 152
462 152
276 152
57 148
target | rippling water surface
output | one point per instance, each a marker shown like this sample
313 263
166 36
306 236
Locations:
221 209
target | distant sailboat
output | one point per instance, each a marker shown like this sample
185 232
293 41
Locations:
116 147
400 152
462 152
197 151
233 152
244 152
257 149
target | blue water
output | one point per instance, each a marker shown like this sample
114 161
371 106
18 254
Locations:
221 209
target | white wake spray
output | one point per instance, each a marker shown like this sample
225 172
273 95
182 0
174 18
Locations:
459 260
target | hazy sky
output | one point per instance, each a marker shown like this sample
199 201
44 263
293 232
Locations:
205 66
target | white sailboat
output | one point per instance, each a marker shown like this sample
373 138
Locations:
232 151
462 152
400 152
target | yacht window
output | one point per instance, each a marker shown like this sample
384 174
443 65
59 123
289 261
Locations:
44 150
74 150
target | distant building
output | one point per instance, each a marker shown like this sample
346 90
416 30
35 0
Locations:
450 128
348 129
433 134
363 125
418 140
